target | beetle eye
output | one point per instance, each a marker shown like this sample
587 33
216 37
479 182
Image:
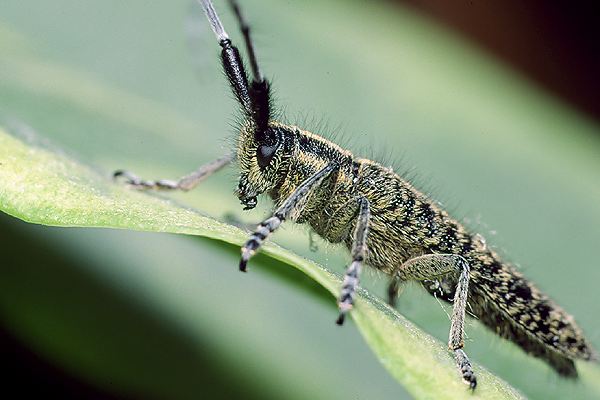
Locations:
265 154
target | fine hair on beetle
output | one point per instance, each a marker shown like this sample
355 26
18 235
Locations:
380 217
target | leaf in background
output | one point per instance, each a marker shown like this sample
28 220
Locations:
46 188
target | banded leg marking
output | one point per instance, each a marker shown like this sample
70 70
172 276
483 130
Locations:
430 266
185 183
359 249
291 207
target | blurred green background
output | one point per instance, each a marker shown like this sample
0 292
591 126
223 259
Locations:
137 85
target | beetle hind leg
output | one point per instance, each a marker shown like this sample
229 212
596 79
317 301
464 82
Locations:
434 266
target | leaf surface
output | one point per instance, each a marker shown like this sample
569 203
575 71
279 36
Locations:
44 187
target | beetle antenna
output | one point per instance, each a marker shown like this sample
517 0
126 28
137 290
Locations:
245 28
255 97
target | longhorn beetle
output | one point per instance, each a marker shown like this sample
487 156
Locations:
380 217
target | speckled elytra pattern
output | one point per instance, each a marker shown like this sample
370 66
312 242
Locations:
381 218
404 224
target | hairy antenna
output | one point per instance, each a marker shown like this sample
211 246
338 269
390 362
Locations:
259 88
255 97
230 58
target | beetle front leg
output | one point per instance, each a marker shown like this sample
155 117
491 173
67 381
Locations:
292 206
185 183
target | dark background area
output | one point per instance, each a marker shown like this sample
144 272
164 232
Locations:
31 376
552 44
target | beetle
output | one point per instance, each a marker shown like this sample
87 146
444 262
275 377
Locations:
383 220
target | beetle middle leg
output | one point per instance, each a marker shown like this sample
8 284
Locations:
359 249
431 266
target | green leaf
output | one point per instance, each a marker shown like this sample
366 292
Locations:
41 186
